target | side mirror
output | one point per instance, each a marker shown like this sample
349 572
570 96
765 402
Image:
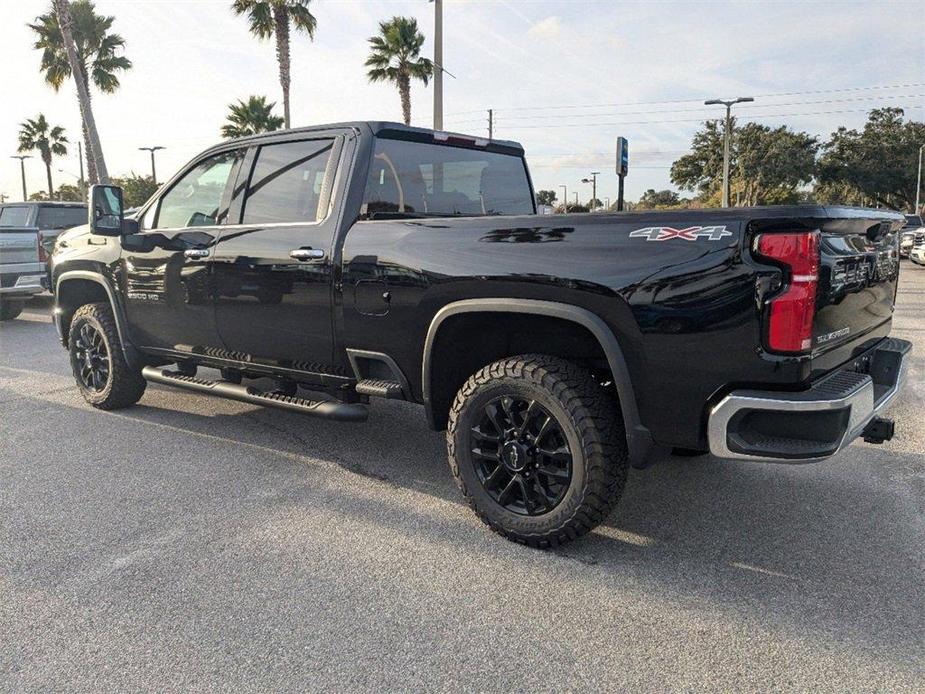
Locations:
106 213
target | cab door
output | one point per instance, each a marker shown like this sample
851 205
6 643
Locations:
167 274
274 270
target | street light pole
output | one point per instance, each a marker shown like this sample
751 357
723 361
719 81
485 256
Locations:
726 139
593 182
22 167
918 182
152 150
438 64
564 199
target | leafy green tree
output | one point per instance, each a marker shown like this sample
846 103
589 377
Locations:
98 57
36 134
395 57
276 18
653 199
136 190
702 169
70 193
38 196
572 207
878 164
545 197
767 165
250 118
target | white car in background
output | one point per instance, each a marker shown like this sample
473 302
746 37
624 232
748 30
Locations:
917 254
913 235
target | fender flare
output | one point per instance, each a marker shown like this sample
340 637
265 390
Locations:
639 440
131 354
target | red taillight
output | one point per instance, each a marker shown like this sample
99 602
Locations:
790 324
43 255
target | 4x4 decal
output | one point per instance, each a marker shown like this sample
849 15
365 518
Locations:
688 234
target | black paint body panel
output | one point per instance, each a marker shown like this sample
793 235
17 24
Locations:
689 315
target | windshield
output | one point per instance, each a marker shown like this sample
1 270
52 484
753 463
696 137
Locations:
61 217
424 180
14 216
913 220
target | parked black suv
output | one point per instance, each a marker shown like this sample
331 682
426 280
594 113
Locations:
367 260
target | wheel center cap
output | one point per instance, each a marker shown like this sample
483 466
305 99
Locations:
514 456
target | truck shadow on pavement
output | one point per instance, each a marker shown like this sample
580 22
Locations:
829 547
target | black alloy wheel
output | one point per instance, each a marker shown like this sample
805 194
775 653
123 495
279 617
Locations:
92 356
521 455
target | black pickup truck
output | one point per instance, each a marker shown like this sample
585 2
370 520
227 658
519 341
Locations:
319 268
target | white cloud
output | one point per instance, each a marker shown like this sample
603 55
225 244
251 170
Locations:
548 28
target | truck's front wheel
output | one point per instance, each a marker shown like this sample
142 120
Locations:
537 448
104 378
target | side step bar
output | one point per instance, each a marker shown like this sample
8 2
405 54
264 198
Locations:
337 411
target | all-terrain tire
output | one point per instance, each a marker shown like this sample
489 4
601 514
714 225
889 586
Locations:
122 386
10 309
589 419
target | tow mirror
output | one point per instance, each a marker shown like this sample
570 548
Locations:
106 214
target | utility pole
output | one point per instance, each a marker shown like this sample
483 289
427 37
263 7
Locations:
152 150
726 140
491 123
564 198
438 64
576 198
593 182
607 206
918 182
22 167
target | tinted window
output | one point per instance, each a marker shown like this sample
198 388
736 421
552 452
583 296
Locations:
14 216
913 220
425 179
196 199
61 217
287 182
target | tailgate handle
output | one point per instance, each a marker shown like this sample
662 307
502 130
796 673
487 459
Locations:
194 253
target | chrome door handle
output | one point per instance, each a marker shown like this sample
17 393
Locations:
306 254
194 253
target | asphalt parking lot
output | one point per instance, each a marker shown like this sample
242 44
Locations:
191 543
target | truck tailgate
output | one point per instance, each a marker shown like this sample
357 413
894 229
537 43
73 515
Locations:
858 276
17 247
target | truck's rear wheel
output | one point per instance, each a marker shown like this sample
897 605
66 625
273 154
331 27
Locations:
103 377
537 448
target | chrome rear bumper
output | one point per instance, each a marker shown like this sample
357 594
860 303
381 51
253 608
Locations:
810 425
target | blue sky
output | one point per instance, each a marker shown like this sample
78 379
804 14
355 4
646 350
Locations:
564 78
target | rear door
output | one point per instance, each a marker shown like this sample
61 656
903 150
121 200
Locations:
273 269
166 267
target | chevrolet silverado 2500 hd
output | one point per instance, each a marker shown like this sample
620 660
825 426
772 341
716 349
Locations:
356 261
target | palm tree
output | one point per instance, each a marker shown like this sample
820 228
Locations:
37 134
251 117
396 57
274 18
97 58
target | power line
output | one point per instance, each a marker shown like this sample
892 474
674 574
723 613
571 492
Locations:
699 110
703 109
696 100
694 120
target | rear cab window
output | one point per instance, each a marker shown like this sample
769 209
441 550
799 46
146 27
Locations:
434 180
14 216
61 217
